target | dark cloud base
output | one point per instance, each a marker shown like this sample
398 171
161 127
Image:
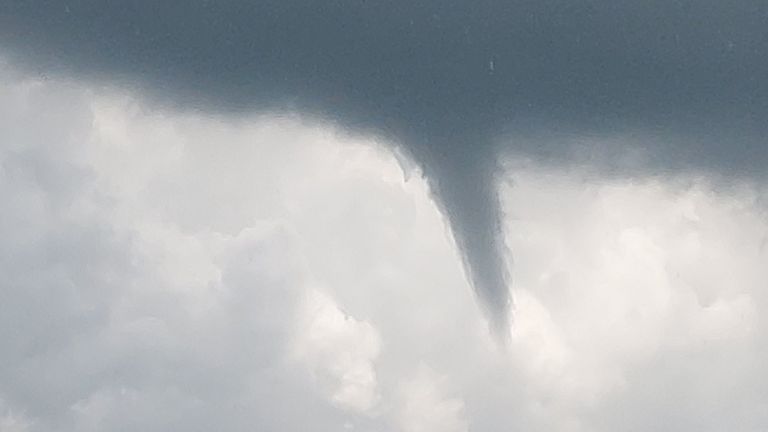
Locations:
446 80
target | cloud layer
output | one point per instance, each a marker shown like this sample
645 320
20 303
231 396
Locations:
662 85
152 282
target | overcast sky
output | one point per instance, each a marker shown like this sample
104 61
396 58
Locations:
286 216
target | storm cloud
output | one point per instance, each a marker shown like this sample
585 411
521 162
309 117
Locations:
182 271
661 86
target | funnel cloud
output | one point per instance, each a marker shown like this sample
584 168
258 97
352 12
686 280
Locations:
458 85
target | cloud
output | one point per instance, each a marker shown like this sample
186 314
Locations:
113 315
646 286
677 85
151 283
426 409
11 421
341 351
